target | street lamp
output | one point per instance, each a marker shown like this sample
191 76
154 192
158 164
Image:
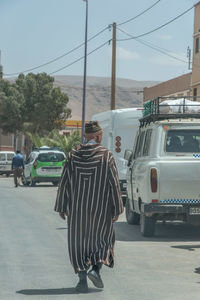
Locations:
85 74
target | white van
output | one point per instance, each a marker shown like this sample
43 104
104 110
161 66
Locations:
119 130
6 162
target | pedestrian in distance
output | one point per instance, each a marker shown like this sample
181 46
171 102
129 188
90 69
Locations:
17 167
89 196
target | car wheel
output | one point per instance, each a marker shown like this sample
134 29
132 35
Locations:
132 217
24 182
147 225
32 182
7 175
55 183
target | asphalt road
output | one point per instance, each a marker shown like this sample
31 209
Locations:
34 262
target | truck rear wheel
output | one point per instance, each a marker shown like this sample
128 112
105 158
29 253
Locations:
147 225
131 217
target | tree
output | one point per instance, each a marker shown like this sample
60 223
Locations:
45 107
54 139
11 101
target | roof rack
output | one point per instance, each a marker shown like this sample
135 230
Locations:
47 149
155 110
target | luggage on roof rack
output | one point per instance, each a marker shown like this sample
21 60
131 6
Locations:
170 107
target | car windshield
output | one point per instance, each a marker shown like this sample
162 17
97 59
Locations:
181 140
51 157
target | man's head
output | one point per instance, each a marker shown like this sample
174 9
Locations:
18 151
93 131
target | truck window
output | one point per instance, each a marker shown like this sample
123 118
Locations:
147 141
138 150
183 140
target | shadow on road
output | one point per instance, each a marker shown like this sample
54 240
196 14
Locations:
37 185
170 231
61 228
187 247
197 271
63 291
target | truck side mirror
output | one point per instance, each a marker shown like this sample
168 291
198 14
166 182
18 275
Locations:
128 154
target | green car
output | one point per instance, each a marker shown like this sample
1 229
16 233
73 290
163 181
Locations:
44 165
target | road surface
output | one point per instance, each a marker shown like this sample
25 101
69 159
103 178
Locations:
34 261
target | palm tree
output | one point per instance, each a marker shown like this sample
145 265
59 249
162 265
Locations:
55 139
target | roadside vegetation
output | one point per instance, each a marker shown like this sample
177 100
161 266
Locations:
55 139
33 106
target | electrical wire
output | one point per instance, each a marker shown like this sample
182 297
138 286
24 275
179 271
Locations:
140 14
59 57
157 28
154 47
80 58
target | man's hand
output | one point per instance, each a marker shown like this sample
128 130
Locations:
115 219
63 215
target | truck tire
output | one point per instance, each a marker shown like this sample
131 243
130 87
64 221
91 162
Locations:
131 217
147 225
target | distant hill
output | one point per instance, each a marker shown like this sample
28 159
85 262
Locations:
129 93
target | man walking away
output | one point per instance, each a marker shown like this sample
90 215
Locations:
89 195
17 166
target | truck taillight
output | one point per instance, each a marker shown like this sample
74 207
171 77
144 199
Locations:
35 164
153 180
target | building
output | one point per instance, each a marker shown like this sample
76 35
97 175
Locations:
178 87
187 84
12 143
195 82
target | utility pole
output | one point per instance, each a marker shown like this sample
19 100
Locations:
85 73
1 68
113 79
189 58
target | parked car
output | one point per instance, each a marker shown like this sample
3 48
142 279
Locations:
44 165
164 169
6 162
119 130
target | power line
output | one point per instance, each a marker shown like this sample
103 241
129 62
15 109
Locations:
158 48
59 57
80 58
140 14
154 47
157 28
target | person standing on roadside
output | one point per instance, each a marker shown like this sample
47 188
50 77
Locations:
17 166
89 195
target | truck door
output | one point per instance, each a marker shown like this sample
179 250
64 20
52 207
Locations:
135 171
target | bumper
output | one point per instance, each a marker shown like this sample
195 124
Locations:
46 179
123 185
156 208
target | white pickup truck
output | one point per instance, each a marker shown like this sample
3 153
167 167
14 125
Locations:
163 177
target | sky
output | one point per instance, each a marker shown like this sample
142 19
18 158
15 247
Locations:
34 32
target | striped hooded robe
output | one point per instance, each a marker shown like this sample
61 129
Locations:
89 193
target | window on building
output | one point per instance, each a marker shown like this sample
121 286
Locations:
197 45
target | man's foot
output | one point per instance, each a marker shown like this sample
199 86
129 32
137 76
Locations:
82 286
95 277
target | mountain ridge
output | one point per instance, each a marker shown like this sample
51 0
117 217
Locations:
129 93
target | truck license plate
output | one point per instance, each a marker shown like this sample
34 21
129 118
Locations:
194 211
